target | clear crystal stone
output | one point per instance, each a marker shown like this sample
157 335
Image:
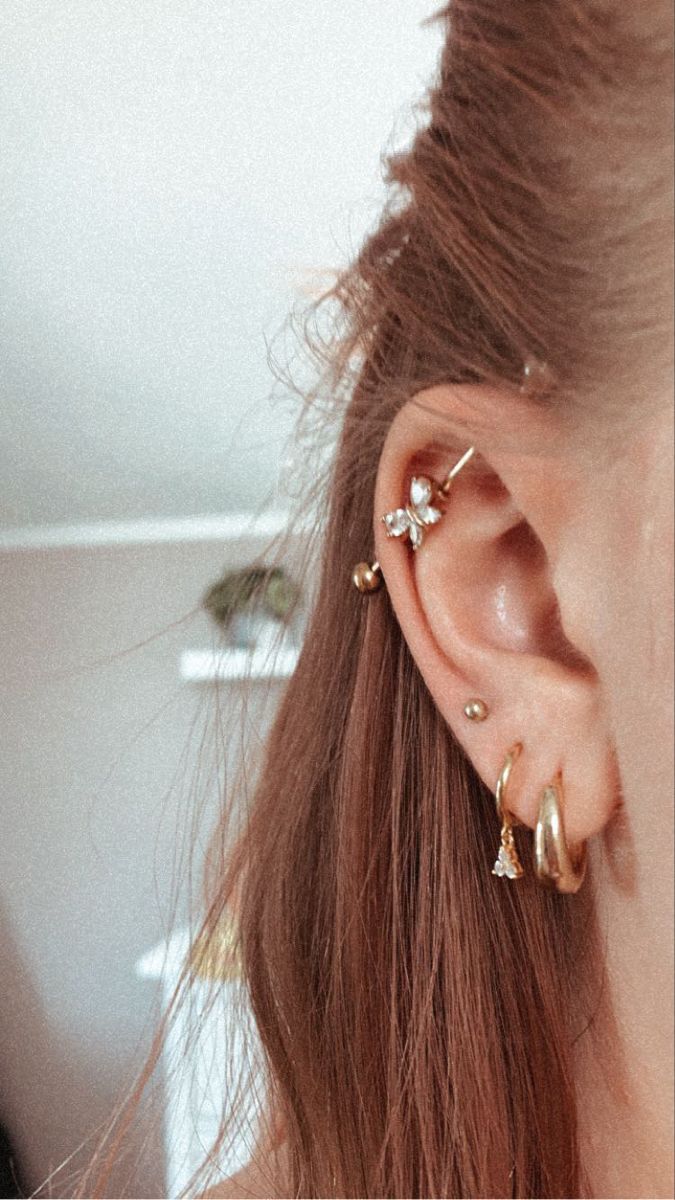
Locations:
416 535
397 522
420 490
505 864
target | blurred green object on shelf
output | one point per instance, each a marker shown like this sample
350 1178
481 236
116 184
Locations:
270 590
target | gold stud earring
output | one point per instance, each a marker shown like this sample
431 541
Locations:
507 862
555 865
367 578
476 710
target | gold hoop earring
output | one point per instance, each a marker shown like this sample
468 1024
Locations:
507 863
555 865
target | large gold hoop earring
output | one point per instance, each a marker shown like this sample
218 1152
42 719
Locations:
555 865
507 863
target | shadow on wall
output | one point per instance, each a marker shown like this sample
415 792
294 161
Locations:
32 1055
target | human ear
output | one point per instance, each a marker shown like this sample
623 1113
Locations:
490 603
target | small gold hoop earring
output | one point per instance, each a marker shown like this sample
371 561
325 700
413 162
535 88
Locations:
555 865
507 862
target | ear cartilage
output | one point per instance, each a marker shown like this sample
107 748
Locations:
422 509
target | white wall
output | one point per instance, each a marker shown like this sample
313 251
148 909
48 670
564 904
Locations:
173 173
99 794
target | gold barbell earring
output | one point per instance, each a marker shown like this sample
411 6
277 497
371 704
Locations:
507 863
367 577
411 521
555 864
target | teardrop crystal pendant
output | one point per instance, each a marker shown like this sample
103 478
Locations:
507 862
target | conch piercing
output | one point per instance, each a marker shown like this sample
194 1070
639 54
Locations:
411 521
422 509
507 862
555 865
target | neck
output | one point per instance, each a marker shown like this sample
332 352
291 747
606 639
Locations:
625 1068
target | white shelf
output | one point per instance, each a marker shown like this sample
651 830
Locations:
265 662
225 527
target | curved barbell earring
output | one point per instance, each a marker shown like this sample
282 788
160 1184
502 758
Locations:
555 864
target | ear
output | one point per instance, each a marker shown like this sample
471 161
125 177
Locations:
491 604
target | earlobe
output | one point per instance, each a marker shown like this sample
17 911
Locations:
477 605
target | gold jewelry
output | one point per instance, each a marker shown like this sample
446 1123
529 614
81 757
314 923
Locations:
367 578
555 865
411 521
476 710
507 862
422 509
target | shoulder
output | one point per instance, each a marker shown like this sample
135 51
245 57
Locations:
247 1184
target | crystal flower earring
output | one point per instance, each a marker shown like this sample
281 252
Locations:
422 509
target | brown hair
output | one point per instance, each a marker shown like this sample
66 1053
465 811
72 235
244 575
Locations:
417 1015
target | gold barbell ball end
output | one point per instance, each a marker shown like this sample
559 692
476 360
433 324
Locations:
367 578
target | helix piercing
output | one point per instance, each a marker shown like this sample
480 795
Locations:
507 862
411 521
422 509
367 577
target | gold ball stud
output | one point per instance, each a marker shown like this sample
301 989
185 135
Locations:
367 578
476 710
